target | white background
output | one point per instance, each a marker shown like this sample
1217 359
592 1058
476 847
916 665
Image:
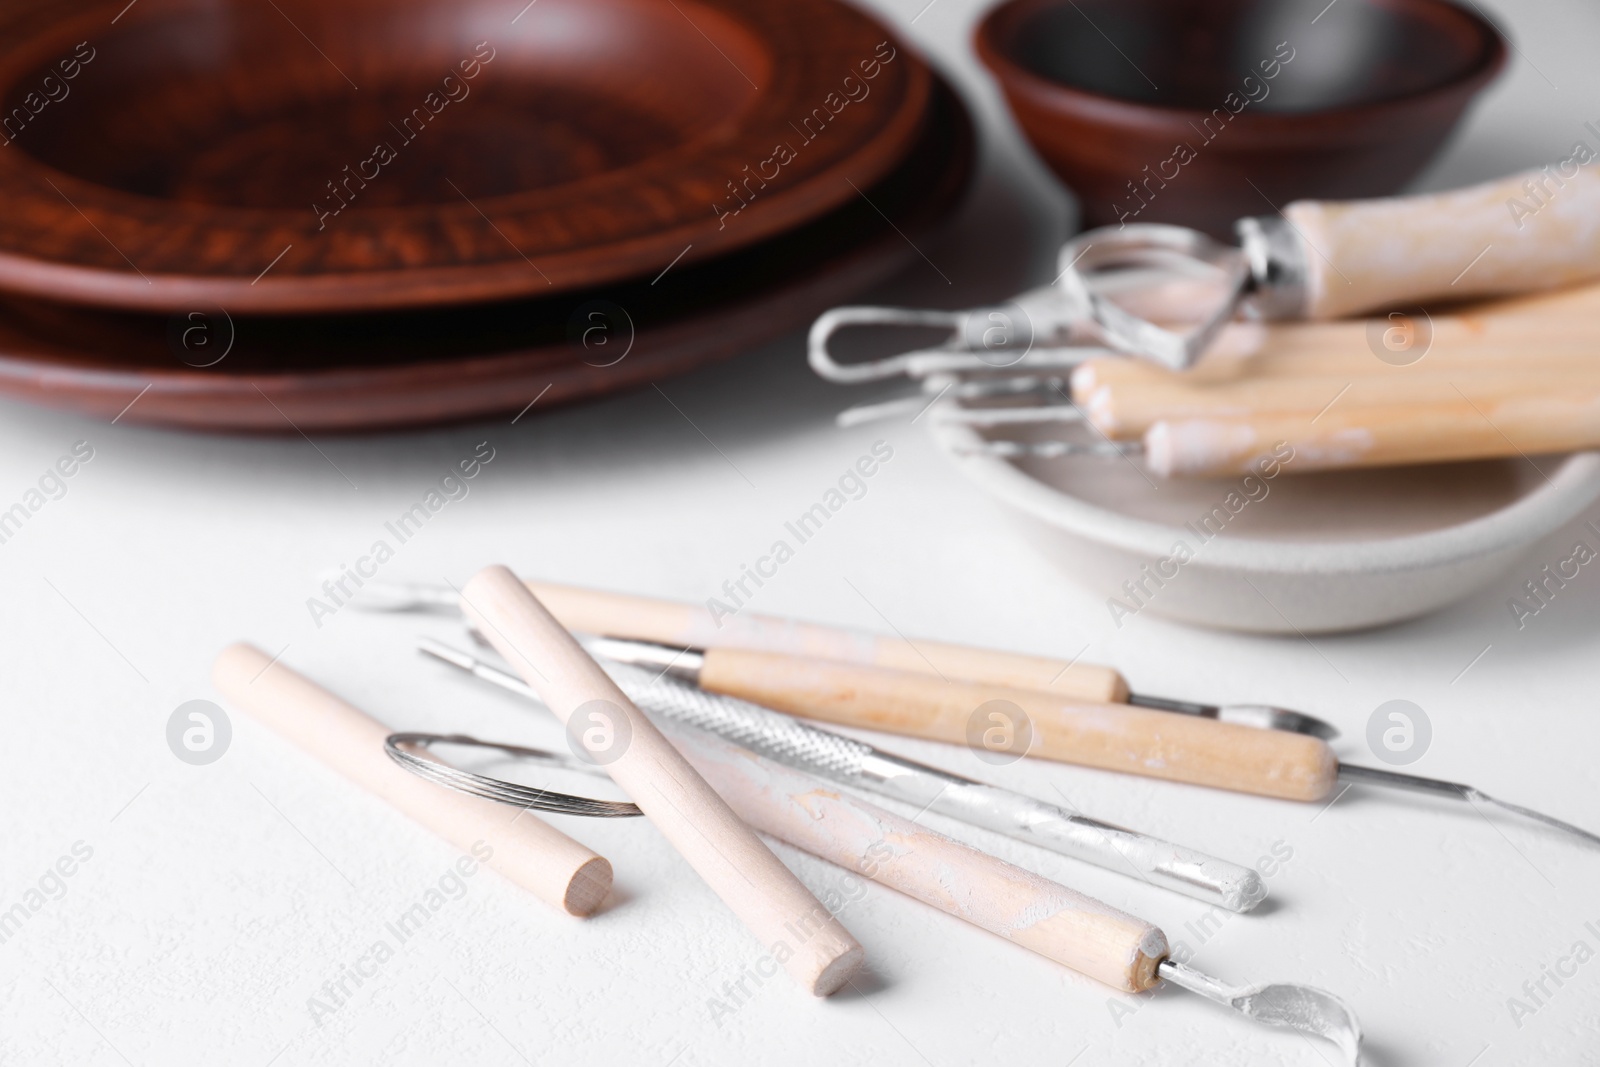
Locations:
218 899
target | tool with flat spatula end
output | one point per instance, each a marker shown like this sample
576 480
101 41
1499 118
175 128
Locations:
1061 924
596 611
855 763
1112 737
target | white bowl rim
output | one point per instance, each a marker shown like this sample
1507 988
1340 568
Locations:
1567 490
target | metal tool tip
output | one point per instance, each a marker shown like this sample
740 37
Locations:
1294 1007
1268 717
399 596
439 650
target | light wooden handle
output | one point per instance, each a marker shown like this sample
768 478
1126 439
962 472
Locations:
1115 737
1127 412
693 625
760 890
527 850
1536 230
1376 437
1548 333
1058 923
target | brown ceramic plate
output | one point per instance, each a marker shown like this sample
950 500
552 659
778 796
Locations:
371 371
300 155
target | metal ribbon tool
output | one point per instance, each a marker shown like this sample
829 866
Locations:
856 763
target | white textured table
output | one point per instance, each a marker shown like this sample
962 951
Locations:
207 906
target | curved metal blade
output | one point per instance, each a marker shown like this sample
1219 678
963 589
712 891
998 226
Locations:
1295 1007
1261 716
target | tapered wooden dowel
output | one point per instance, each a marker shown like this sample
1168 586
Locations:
1375 437
1115 737
759 889
527 850
1058 923
692 625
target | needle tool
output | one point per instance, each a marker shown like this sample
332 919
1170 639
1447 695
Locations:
1115 737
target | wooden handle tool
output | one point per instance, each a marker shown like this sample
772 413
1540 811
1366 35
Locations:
1547 333
1377 436
1058 923
1536 230
1128 412
527 850
759 889
1113 737
672 623
1080 932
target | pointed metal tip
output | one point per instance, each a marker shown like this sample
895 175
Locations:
1417 784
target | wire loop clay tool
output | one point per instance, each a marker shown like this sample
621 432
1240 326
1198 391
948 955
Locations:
594 611
855 763
1059 923
1167 295
400 748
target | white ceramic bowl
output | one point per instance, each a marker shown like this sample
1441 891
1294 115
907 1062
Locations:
1307 553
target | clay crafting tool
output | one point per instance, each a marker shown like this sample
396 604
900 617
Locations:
527 850
1513 378
412 751
669 622
1056 922
1564 420
855 763
1128 411
1316 260
724 851
1111 737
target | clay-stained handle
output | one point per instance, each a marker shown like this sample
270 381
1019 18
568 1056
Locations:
1127 412
1543 333
527 850
739 868
1536 230
1116 737
1380 436
671 623
1058 923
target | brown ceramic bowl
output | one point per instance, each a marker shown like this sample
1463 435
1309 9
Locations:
1200 112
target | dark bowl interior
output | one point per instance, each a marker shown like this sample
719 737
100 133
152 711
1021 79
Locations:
1192 53
238 104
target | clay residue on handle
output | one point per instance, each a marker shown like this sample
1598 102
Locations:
1199 446
1402 251
1082 933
